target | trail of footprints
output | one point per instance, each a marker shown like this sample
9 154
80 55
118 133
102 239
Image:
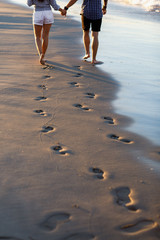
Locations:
121 194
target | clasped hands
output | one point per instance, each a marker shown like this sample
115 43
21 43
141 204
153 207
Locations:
63 12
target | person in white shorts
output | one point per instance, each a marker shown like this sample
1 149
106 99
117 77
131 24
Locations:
42 21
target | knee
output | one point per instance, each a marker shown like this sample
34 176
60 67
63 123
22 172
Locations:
95 35
86 33
38 38
45 37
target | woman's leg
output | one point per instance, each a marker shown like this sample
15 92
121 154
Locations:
38 41
45 38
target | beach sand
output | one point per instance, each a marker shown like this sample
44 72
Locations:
69 169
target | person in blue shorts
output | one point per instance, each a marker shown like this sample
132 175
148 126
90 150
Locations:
91 14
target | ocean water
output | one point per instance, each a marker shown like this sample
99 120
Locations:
149 5
130 49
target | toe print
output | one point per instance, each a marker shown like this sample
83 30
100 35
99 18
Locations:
54 221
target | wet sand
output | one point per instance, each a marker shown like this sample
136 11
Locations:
69 169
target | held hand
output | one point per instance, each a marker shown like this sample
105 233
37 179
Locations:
63 12
104 11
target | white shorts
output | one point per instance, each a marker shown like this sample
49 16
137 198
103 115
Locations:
43 17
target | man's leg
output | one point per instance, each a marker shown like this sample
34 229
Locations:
95 44
86 41
86 37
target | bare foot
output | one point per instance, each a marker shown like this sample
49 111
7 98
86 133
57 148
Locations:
86 56
94 62
41 60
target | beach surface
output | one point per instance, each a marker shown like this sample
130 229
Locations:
69 169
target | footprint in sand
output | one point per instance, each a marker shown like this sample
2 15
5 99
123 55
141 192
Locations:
48 67
47 129
80 236
122 196
78 75
60 150
77 66
46 76
40 112
41 98
120 139
90 95
43 87
82 107
109 120
55 220
74 84
98 172
139 226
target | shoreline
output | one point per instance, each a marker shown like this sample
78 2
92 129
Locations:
70 170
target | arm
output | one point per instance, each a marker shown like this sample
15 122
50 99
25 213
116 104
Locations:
70 3
105 2
54 5
57 7
29 2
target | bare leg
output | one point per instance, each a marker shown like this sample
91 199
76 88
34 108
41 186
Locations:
94 46
45 38
86 41
38 41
